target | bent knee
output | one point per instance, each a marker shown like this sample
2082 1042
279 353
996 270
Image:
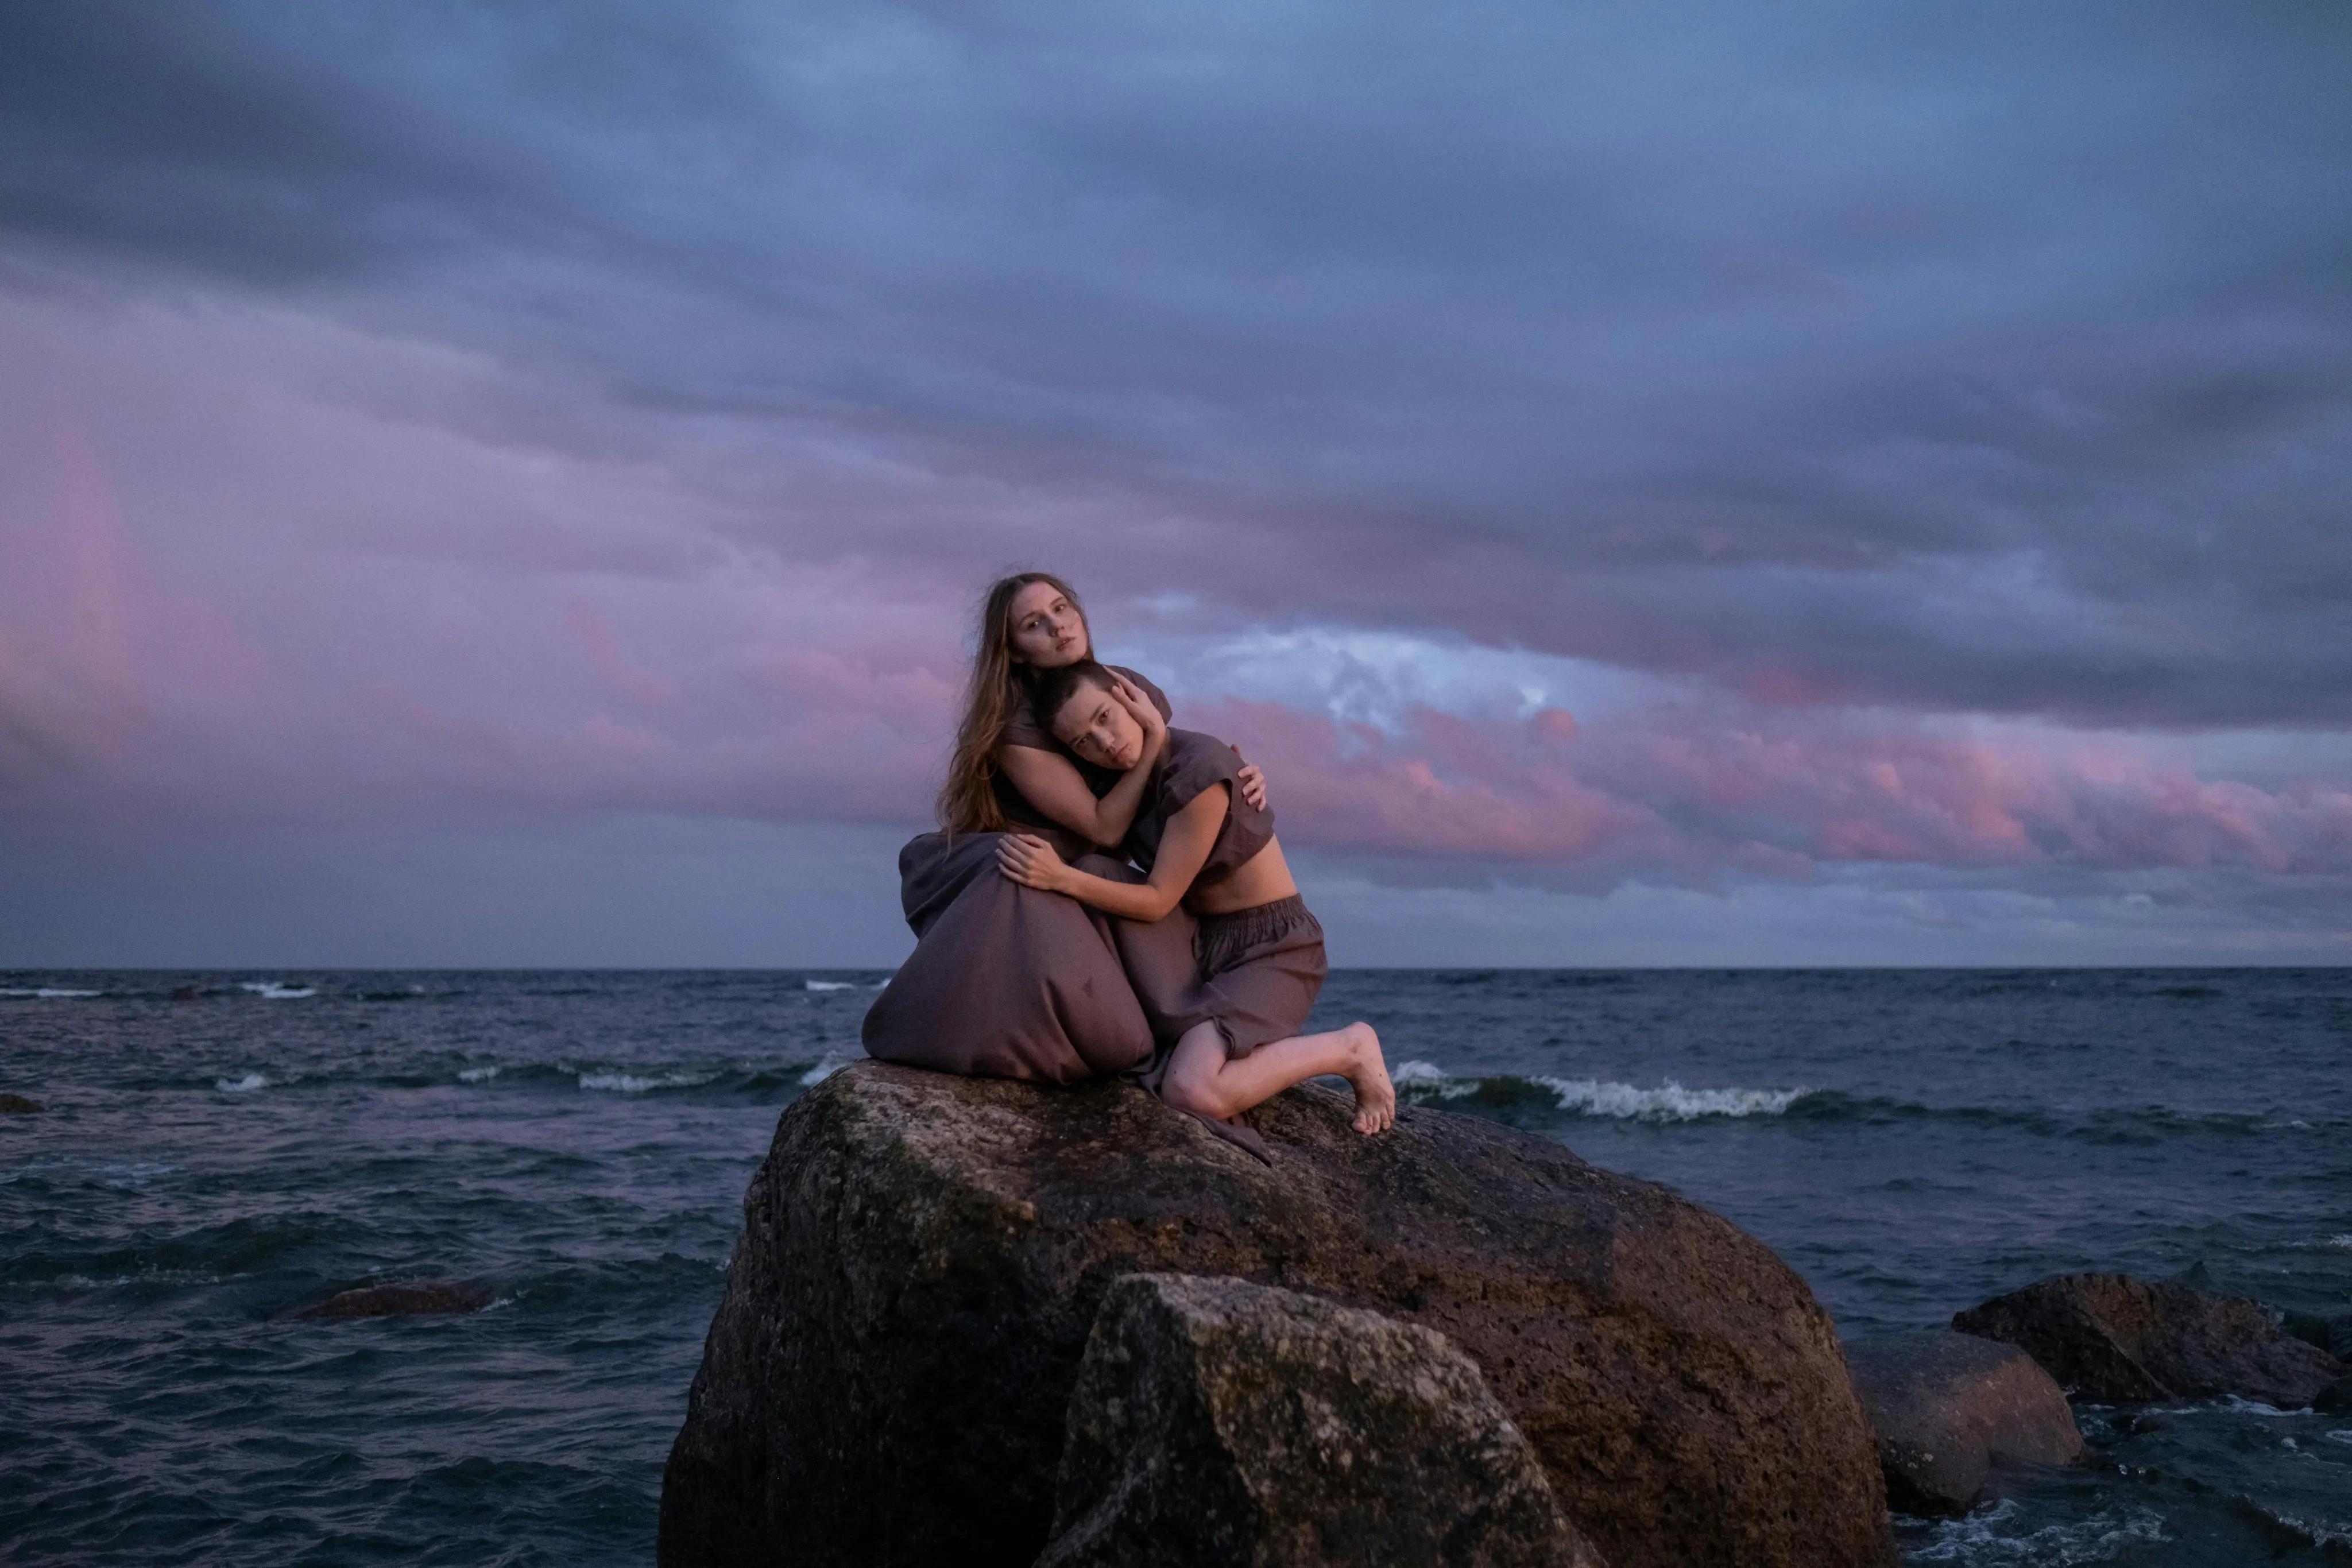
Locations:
1191 1092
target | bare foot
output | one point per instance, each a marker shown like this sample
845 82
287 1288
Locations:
1367 1075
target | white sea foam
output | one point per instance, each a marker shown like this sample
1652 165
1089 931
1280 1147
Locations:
50 992
478 1074
823 1070
245 1086
830 985
2344 1240
626 1084
148 1277
1984 1539
2319 1531
1426 1080
277 991
1668 1102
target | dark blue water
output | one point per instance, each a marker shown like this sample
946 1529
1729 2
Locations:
578 1144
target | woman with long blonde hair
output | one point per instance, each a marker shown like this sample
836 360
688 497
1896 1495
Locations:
1008 981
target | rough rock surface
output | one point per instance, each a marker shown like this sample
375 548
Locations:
886 1379
1949 1406
399 1301
2115 1340
19 1106
1218 1424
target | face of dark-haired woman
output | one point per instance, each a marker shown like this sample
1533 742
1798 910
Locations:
1095 726
1046 630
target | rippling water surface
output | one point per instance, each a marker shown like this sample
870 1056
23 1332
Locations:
577 1144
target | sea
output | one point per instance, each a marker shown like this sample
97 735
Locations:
218 1151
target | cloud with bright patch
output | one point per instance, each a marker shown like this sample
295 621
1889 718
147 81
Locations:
1839 485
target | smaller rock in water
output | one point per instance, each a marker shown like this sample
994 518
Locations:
2115 1340
2336 1399
19 1106
399 1301
183 993
1216 1422
1947 1407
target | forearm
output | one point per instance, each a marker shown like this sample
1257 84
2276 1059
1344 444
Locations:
1115 813
1144 900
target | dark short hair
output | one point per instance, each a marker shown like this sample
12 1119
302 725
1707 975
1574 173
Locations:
1054 688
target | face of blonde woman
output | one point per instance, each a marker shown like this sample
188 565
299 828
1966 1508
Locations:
1047 630
1095 726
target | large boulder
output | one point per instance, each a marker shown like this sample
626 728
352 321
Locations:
1218 1424
2115 1340
886 1380
1947 1407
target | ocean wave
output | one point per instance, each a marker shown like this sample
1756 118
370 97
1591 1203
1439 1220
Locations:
1424 1082
1427 1081
245 1086
2345 1242
627 1084
1668 1102
1986 1539
123 1177
822 1071
830 985
478 1074
2317 1531
46 993
277 991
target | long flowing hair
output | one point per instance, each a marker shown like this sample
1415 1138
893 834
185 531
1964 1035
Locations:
967 802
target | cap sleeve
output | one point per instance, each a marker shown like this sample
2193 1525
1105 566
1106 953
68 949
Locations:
1194 762
1023 729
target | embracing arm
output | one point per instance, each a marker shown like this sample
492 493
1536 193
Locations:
1050 781
1183 851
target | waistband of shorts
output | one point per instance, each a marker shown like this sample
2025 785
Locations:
1259 923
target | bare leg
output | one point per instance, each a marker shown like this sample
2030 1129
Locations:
1203 1078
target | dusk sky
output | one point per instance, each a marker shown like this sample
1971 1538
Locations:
1684 483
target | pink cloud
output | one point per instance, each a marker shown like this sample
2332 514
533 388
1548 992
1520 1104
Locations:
1442 785
589 628
238 589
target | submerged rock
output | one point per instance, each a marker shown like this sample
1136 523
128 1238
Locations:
1947 1407
399 1301
886 1379
20 1105
2115 1340
1218 1424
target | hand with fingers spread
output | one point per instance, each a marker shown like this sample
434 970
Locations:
1031 861
1141 708
1253 783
